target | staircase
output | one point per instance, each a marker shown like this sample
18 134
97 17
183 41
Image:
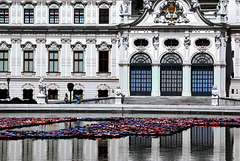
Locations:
170 100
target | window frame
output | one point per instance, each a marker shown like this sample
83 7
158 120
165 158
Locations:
5 16
78 61
4 60
55 16
104 16
53 60
28 60
26 93
51 92
101 63
28 16
79 15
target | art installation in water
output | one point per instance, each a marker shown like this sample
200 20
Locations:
113 127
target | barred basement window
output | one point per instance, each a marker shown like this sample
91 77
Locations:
3 93
102 93
27 94
52 94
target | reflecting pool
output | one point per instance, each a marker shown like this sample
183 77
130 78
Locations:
196 143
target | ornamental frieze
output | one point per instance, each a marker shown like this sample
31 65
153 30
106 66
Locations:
171 12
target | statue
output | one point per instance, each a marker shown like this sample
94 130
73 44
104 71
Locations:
147 4
195 4
126 7
42 87
121 9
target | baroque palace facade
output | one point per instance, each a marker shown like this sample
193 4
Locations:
148 48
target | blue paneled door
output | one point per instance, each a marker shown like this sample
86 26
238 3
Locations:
140 79
171 80
202 80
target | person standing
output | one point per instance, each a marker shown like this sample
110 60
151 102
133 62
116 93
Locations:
66 98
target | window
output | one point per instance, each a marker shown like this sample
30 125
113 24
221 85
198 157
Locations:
28 61
3 93
77 93
3 61
28 16
53 61
202 42
102 93
141 42
52 94
103 61
79 16
53 16
171 42
103 16
4 17
27 93
78 61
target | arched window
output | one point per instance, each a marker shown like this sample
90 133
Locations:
171 75
202 75
140 75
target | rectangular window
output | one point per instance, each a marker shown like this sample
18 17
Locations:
3 93
53 61
78 61
3 61
28 16
52 94
4 16
28 61
103 16
78 16
53 16
27 94
103 61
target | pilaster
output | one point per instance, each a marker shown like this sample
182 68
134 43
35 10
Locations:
16 57
155 80
186 90
66 57
113 57
41 57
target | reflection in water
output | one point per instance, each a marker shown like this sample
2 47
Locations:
197 143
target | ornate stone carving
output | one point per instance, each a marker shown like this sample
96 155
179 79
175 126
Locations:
171 12
218 40
5 46
155 42
66 40
79 86
40 40
53 46
3 86
147 4
195 4
125 41
103 87
91 40
78 46
16 40
103 46
114 40
187 41
53 86
28 46
171 49
28 86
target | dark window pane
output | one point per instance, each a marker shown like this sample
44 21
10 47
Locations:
103 61
102 93
103 16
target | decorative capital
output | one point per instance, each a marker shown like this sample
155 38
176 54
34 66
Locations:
40 40
16 40
66 40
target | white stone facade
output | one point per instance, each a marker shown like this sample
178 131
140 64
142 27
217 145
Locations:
117 36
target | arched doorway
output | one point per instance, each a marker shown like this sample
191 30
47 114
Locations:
202 75
140 75
171 75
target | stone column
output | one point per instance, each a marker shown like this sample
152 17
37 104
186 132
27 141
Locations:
237 57
219 78
65 149
124 81
186 90
155 80
15 150
39 150
16 56
155 152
